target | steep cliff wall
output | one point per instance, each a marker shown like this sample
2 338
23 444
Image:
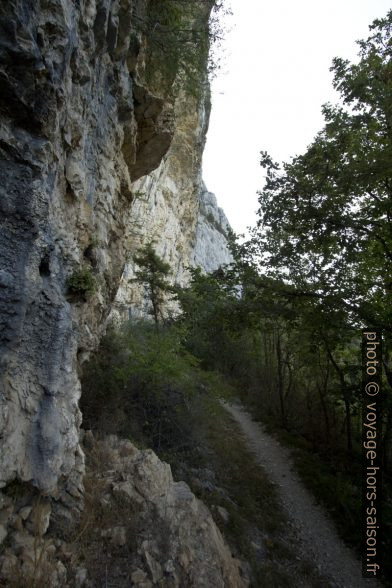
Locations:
174 210
211 249
79 123
166 203
99 153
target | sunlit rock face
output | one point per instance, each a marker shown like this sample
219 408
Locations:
195 234
81 133
174 210
166 204
211 249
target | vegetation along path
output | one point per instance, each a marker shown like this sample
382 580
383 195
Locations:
317 537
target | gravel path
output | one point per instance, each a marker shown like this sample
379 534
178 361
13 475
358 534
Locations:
317 537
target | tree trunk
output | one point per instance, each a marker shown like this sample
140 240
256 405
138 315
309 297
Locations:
322 393
346 400
280 381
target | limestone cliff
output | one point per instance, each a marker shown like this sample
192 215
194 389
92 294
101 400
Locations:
79 123
166 202
175 211
212 232
97 155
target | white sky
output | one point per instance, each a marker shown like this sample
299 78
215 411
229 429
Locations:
275 79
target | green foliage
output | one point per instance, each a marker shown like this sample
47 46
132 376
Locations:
209 311
318 268
152 274
179 35
325 220
81 284
156 362
152 380
325 234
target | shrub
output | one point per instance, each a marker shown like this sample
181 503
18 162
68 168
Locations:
148 382
179 34
81 284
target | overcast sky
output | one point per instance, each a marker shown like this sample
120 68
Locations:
276 77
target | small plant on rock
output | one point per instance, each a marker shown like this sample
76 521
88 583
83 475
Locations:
81 284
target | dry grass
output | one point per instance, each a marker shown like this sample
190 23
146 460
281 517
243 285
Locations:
36 565
90 546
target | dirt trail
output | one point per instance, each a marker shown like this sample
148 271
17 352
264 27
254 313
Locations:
317 538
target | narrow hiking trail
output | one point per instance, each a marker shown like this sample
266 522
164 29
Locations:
318 540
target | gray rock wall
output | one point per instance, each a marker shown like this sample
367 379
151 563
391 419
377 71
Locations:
176 212
78 125
212 231
94 162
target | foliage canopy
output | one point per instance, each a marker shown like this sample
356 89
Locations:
180 36
153 273
325 218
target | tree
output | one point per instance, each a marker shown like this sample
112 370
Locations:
325 218
152 274
208 307
180 35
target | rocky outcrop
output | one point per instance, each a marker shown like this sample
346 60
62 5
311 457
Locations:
78 124
212 233
96 158
166 205
130 494
174 210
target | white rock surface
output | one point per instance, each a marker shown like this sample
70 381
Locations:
175 211
212 230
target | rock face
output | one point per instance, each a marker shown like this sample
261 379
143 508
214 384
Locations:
129 493
175 211
212 232
166 203
78 124
195 554
96 158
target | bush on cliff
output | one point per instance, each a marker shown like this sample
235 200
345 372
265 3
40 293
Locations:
180 35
